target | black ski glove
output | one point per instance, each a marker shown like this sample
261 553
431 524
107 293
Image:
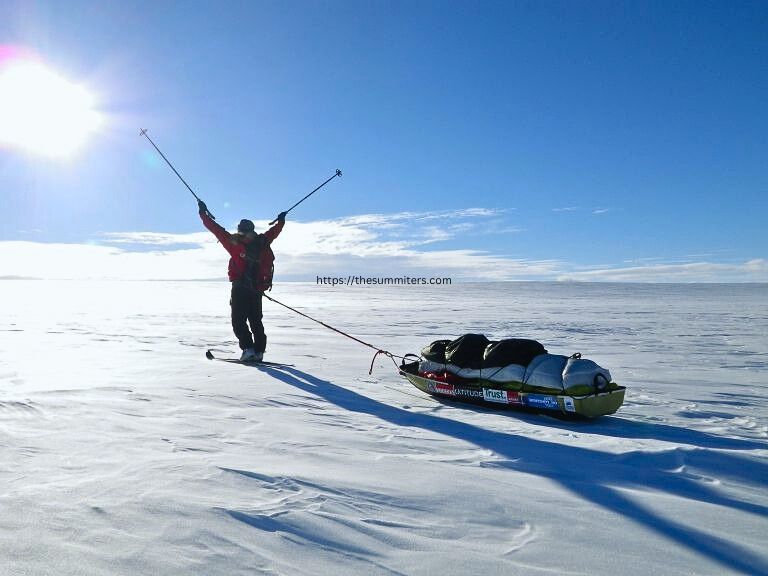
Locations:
281 216
203 209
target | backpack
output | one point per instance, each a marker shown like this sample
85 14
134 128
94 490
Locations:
260 264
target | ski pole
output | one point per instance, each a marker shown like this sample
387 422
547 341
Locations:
338 173
144 133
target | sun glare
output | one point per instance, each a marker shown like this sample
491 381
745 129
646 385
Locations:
42 112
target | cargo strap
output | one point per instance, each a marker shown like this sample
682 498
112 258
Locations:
378 350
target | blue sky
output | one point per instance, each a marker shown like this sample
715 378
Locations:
494 140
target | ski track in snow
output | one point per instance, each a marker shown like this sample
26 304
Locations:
125 451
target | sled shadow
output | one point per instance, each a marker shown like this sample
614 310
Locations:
618 427
593 475
613 426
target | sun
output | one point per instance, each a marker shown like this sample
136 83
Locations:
42 112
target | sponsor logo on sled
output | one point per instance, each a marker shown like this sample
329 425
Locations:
491 395
570 405
441 388
501 396
541 401
468 392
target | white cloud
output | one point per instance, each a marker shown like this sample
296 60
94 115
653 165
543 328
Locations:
751 271
403 243
89 261
566 209
380 243
155 238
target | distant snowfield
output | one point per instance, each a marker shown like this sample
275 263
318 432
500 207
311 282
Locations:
123 451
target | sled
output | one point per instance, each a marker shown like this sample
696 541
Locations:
493 394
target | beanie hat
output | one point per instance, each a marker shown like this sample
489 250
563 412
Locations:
245 226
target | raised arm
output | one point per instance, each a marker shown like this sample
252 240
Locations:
221 234
273 232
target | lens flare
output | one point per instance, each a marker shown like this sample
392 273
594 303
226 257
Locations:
40 111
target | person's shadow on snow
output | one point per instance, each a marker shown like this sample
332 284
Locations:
594 475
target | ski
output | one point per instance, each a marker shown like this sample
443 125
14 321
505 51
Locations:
210 356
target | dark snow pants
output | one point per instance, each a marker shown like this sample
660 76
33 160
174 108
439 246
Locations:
246 309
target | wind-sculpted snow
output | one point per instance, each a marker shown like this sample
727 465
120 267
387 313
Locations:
124 451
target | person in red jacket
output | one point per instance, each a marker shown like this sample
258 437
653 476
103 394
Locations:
250 271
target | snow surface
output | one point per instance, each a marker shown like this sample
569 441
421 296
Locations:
124 451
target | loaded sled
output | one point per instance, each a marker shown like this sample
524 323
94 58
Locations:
514 373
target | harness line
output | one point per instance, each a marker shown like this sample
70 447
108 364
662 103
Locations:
378 350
